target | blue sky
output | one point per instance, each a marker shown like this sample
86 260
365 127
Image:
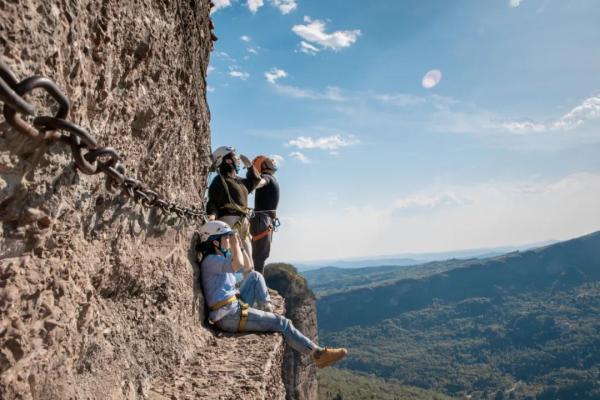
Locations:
504 149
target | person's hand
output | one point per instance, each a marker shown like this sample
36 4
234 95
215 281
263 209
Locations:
245 161
235 238
211 217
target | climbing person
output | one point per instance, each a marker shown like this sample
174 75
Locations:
263 222
221 256
228 195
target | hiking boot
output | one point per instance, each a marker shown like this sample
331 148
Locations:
326 357
266 306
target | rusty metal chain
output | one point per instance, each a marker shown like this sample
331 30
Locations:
89 157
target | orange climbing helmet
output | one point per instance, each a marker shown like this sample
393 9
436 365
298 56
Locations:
264 163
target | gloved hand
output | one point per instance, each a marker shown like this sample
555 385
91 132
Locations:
245 161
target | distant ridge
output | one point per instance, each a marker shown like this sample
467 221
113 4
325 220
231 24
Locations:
417 258
553 266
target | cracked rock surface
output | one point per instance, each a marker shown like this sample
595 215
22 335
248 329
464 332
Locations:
98 295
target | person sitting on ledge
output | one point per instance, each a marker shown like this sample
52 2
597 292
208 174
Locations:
250 308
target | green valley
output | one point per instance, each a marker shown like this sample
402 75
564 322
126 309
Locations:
521 326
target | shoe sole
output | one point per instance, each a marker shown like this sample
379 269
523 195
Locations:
329 362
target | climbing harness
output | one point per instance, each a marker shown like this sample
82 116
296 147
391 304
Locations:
223 303
89 157
243 316
263 234
232 205
276 223
243 307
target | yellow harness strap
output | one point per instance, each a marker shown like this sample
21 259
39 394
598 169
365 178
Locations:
243 316
223 303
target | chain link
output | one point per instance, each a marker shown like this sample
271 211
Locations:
89 158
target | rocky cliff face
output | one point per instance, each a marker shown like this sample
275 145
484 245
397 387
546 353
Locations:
97 299
299 373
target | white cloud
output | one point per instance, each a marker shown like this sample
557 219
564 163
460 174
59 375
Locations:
520 127
210 88
220 4
331 93
314 33
308 48
331 143
254 5
484 215
274 74
245 38
239 74
285 6
400 99
277 158
428 201
514 3
300 157
253 50
210 70
587 110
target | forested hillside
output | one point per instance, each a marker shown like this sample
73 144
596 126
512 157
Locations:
521 325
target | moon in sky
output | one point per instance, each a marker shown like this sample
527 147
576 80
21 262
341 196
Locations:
432 78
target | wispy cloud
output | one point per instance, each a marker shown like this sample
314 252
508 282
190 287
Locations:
245 38
330 143
219 4
210 88
254 5
308 48
239 74
400 99
428 201
300 157
253 50
587 110
514 3
524 126
285 6
274 74
313 32
331 93
277 158
447 217
210 69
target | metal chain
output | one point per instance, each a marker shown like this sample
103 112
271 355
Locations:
90 158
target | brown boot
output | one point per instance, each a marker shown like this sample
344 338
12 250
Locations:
326 357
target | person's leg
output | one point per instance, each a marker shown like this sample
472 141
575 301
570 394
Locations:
260 321
254 289
247 241
261 247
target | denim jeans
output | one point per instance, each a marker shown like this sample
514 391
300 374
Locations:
254 289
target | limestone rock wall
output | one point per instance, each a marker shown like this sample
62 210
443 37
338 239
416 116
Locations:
299 373
97 299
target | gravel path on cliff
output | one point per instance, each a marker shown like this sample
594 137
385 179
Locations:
232 366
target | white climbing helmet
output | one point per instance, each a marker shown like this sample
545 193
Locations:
213 230
220 153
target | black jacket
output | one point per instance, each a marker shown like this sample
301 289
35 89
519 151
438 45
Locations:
239 188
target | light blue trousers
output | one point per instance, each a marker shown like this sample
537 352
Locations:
254 289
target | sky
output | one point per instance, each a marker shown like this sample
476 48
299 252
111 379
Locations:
415 125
